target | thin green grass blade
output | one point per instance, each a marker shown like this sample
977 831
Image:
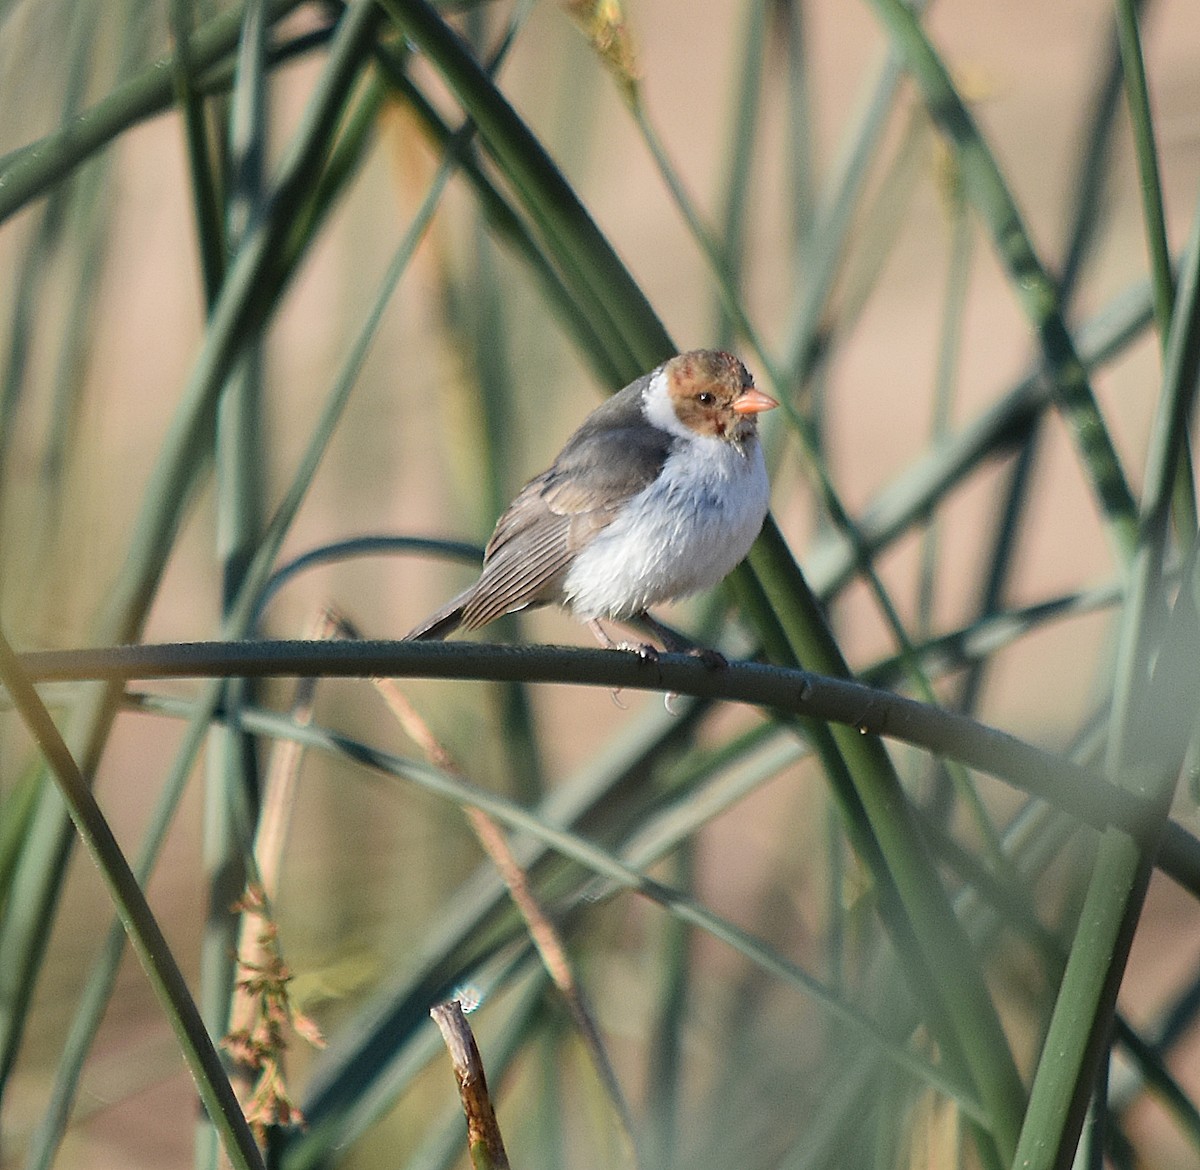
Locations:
1092 176
790 24
666 1062
18 808
880 223
1152 1068
346 159
1167 452
958 275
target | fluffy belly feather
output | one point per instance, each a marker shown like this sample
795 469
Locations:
682 534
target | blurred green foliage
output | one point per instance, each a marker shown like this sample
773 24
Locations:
295 296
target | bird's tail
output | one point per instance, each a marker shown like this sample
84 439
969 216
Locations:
440 624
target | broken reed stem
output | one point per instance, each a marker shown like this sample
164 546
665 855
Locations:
484 1142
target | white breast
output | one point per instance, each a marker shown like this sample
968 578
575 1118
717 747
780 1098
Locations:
683 533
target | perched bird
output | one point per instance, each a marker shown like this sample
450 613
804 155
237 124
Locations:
659 494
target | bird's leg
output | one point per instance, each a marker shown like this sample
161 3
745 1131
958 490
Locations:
642 649
601 634
608 644
675 643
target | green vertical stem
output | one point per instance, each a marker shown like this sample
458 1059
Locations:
739 170
1137 95
953 313
1150 728
941 967
790 20
203 165
666 1062
818 259
1162 281
1168 448
1090 181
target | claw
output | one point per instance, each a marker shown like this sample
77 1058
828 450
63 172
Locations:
644 650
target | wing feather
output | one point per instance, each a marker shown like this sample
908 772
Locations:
611 458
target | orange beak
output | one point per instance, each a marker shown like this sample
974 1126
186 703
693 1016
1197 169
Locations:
753 401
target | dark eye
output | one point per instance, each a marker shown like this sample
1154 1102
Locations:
705 398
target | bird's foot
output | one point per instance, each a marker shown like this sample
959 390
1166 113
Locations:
713 659
644 650
675 643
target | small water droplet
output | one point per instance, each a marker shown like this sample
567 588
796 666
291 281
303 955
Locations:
469 996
